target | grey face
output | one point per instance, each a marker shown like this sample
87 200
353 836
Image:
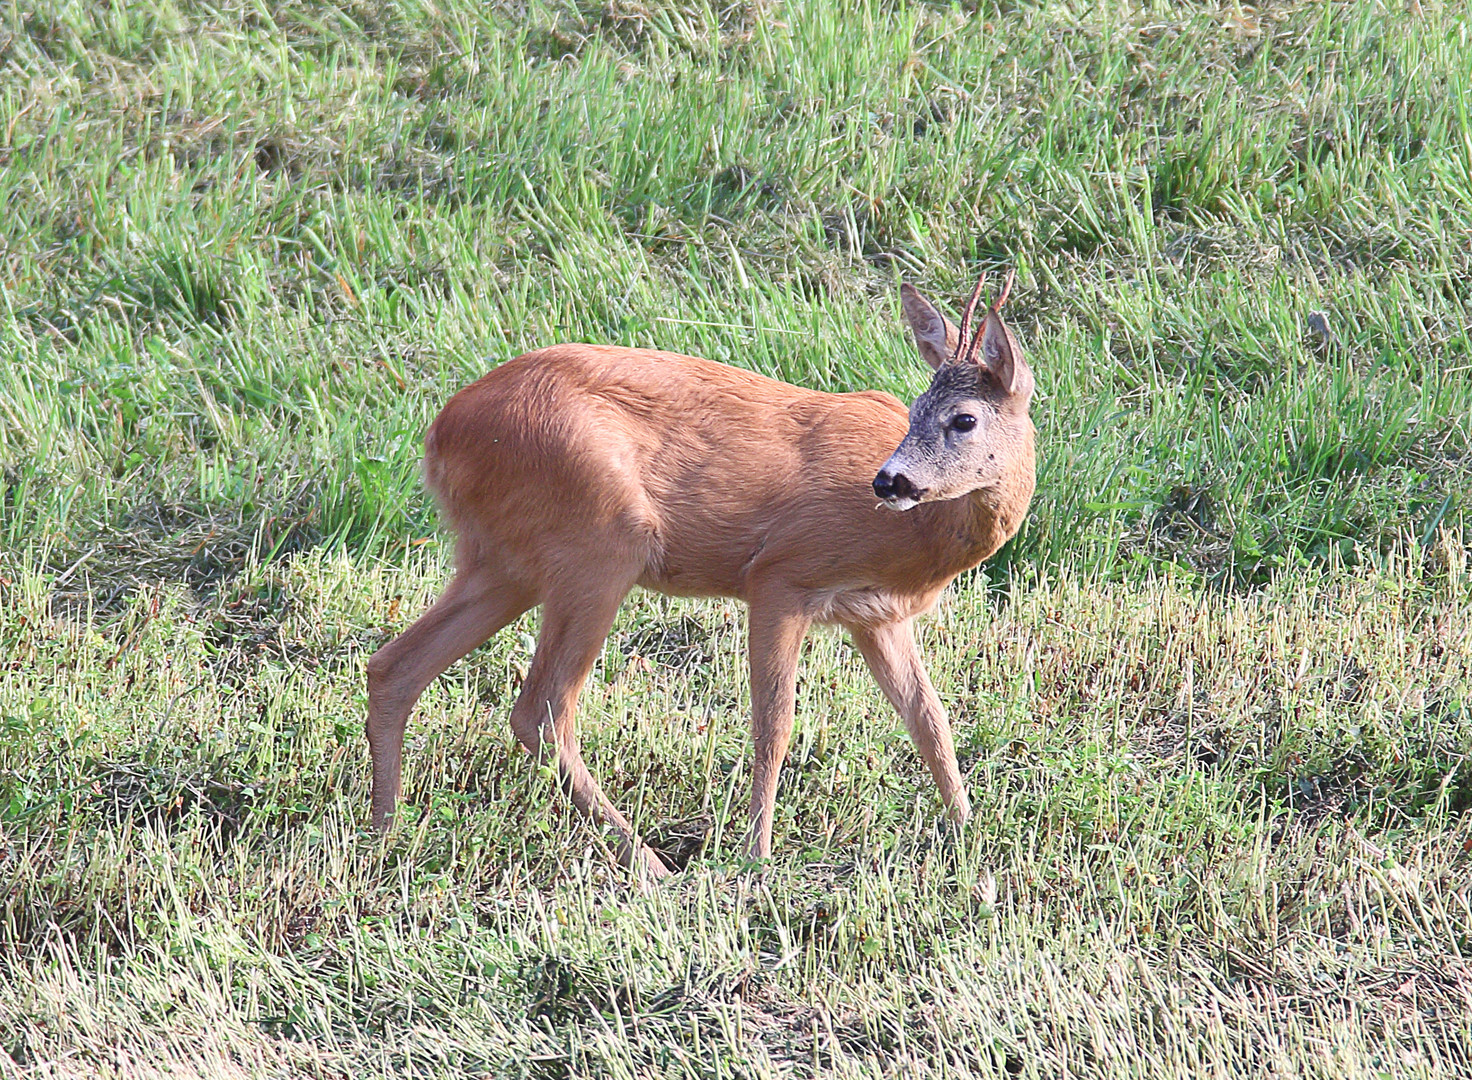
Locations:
947 424
970 424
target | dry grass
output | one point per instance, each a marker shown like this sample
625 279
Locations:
1215 835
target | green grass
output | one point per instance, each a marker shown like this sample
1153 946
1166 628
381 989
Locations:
1212 698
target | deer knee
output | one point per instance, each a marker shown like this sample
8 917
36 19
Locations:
380 670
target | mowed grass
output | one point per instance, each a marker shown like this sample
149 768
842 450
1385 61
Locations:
1212 836
1212 700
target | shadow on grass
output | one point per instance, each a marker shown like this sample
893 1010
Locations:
167 541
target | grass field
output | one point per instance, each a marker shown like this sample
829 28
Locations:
1212 701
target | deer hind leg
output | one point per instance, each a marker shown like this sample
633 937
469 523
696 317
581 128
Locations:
890 652
775 632
476 604
575 622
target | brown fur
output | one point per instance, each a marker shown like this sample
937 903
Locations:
573 473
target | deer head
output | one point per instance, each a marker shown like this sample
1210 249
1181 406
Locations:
972 422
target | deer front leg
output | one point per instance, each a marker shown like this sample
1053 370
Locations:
776 628
890 652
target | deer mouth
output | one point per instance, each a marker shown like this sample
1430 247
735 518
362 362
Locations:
899 503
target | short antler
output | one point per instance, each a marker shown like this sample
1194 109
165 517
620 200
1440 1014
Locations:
1006 291
970 353
966 317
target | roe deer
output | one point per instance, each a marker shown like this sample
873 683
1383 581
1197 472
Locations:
573 473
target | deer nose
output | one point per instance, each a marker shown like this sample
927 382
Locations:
888 485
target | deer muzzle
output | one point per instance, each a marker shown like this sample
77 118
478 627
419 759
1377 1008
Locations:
896 491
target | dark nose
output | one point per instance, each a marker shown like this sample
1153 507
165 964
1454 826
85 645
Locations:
888 485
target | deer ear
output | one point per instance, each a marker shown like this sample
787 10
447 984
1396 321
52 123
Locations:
935 335
1001 356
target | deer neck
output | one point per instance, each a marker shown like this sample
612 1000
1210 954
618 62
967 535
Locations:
974 526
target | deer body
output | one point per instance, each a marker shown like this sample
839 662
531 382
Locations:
573 473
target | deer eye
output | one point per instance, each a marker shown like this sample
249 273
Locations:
964 422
